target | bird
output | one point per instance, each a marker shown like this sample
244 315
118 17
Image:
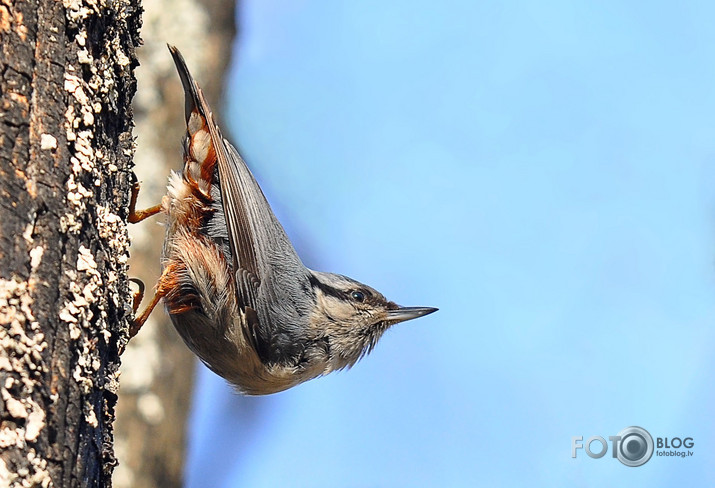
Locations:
232 283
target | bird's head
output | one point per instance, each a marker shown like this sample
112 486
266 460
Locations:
351 317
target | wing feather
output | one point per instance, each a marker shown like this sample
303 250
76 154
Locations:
242 242
269 275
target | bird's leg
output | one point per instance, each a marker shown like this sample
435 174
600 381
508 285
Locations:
159 293
138 295
137 323
134 217
139 215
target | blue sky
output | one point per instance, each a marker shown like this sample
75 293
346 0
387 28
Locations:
542 173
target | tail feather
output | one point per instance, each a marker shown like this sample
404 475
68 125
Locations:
191 89
200 151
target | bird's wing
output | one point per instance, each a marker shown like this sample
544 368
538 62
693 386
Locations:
235 198
268 273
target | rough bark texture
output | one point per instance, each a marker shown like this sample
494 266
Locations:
66 85
157 368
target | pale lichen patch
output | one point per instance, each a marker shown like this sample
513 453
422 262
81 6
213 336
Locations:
83 381
91 418
48 142
69 313
84 57
73 85
77 10
10 437
36 257
27 233
122 59
6 477
35 422
85 260
14 407
41 476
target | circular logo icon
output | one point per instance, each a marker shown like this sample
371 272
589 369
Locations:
635 447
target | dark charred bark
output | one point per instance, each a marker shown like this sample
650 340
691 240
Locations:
66 87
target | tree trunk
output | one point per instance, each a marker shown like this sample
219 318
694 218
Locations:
65 155
157 368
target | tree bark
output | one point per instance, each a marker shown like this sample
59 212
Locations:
157 368
66 148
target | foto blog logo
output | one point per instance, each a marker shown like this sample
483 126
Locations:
632 446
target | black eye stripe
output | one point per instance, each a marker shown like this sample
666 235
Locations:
359 295
327 289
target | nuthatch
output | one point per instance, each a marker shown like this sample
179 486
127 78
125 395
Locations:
234 287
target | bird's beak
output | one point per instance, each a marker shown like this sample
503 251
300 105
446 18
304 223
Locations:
408 313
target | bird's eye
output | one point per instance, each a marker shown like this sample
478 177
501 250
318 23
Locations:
358 296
